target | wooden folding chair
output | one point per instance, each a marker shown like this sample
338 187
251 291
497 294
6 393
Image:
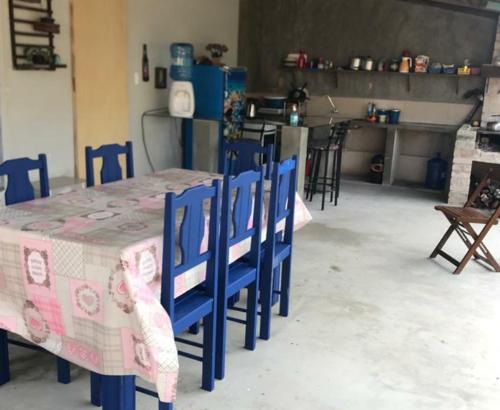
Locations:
461 220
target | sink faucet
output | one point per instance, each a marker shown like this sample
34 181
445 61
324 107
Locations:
333 110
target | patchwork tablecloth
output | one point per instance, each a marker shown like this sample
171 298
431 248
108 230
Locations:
79 275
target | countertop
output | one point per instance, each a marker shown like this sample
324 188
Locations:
280 121
324 121
416 126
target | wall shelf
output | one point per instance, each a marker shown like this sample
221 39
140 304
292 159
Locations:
408 76
23 28
44 67
374 72
490 70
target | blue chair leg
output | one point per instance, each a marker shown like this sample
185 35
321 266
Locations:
4 358
63 371
220 339
195 329
251 319
233 300
208 378
95 389
266 302
118 392
276 284
285 287
166 406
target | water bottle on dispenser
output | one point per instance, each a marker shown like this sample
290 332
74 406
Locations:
181 96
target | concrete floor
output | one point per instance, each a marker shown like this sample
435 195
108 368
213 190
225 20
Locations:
374 324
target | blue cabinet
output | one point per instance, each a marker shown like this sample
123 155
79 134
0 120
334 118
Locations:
220 95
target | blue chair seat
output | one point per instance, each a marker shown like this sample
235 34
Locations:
190 308
240 275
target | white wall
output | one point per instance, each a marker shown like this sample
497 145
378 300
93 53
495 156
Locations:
158 23
36 111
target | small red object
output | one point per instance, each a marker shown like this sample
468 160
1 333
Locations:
301 63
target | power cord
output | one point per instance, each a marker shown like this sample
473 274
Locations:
156 112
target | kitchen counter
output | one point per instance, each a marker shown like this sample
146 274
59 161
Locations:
415 126
324 121
393 141
294 140
280 121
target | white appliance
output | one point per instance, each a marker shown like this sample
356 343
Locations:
181 99
181 93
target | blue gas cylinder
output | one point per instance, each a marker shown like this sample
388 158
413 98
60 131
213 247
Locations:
437 171
182 61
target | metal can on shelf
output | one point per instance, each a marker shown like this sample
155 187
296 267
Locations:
393 116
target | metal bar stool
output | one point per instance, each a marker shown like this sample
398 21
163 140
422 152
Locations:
265 133
320 154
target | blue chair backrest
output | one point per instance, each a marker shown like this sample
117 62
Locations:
242 199
244 156
190 237
111 170
19 188
282 202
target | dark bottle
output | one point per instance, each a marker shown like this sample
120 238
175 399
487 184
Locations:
145 63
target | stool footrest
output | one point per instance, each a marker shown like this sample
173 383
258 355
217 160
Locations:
190 356
234 319
189 342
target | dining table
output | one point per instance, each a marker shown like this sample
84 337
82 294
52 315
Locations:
80 275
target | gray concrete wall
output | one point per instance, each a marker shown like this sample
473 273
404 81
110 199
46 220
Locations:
339 29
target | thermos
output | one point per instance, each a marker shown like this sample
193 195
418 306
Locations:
394 115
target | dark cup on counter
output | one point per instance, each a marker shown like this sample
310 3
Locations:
382 116
393 116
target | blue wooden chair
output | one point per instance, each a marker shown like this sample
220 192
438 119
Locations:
247 189
247 155
111 170
19 189
277 256
188 309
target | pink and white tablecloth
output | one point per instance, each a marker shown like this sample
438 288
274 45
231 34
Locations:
79 275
